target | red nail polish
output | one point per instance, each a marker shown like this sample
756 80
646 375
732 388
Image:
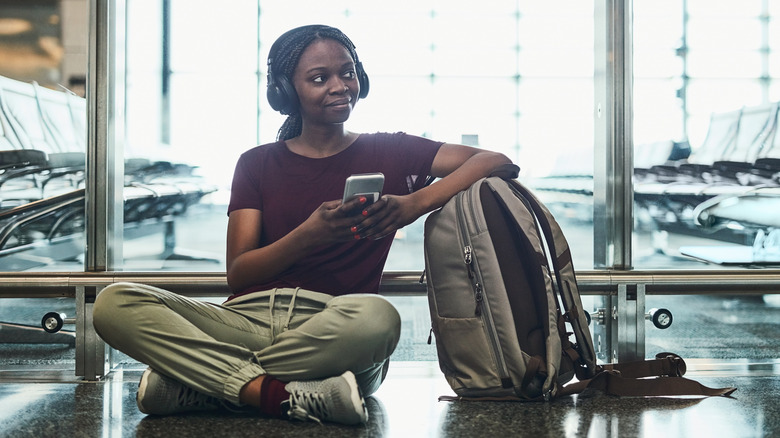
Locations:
353 229
363 199
357 236
365 212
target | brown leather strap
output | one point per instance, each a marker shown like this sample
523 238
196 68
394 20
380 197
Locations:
614 384
665 364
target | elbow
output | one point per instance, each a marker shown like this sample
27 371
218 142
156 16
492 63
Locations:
495 161
499 158
234 280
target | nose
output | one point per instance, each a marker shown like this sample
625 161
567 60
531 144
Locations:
339 86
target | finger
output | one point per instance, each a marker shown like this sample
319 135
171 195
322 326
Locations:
381 227
355 205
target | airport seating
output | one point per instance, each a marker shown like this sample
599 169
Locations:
739 157
43 138
740 153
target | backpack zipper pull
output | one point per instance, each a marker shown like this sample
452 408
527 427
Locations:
430 336
478 298
467 254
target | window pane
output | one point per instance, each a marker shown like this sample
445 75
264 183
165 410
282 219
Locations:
458 72
717 96
43 131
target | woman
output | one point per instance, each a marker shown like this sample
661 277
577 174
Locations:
305 334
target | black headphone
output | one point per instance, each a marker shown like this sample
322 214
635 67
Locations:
281 93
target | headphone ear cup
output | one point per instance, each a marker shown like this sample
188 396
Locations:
362 80
282 96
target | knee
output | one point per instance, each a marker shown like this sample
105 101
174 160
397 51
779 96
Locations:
383 316
107 311
375 322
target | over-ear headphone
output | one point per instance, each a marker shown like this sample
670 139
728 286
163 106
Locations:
281 93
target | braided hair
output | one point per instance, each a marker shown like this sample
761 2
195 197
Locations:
290 47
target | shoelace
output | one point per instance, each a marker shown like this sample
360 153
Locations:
306 405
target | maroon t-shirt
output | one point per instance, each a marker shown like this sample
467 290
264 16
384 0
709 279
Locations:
288 187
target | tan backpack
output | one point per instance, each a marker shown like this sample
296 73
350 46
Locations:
504 302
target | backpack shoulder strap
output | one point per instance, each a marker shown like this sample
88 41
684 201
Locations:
565 278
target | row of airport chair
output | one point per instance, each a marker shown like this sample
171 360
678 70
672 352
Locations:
680 189
42 178
739 156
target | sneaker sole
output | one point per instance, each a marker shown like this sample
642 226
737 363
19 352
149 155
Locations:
142 389
356 395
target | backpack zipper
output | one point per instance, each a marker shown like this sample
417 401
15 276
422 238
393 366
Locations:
482 308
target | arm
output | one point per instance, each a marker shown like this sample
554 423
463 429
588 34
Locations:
459 167
248 263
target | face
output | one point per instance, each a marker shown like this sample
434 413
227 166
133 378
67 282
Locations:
326 83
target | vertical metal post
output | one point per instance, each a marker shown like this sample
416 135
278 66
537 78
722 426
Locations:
613 142
105 165
92 356
105 168
628 323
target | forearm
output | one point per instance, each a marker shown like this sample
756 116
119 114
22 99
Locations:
475 167
263 264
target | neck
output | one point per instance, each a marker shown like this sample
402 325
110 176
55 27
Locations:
321 142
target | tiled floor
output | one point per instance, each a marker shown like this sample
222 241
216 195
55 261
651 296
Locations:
406 406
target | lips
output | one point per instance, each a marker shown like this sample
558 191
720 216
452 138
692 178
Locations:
340 102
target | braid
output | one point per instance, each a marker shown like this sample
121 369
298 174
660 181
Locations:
291 47
291 128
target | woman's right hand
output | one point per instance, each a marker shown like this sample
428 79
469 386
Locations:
334 222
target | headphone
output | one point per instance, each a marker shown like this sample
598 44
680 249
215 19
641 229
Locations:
281 93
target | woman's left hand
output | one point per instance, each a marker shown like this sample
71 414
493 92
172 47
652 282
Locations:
388 214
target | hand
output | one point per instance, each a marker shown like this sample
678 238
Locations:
387 215
334 222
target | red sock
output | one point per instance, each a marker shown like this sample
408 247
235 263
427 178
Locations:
272 394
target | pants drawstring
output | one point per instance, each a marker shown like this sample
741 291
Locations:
290 308
271 300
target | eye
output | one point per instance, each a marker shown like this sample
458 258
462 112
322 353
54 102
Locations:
350 74
318 79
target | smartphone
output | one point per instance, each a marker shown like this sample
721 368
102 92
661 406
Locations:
364 184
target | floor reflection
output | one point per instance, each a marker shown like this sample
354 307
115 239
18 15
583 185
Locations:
406 406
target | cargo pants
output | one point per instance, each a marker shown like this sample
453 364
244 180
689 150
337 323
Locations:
290 334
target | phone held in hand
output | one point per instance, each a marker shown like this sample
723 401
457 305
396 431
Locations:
364 184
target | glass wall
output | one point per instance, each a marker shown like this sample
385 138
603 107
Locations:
43 47
516 77
479 75
706 90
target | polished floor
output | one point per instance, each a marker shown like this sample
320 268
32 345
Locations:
406 406
735 340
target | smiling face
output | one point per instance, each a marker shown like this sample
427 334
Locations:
326 83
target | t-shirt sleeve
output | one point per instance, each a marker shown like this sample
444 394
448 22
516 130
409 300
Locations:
420 152
245 189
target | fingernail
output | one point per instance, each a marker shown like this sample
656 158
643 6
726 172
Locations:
365 212
363 199
357 236
353 229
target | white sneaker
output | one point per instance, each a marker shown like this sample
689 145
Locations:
161 395
336 399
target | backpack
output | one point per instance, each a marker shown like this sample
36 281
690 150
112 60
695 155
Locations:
503 294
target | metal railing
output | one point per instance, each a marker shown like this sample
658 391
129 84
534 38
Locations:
688 282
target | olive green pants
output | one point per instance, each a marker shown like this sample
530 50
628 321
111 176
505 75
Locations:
290 334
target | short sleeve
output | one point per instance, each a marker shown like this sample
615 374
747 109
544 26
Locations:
245 189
